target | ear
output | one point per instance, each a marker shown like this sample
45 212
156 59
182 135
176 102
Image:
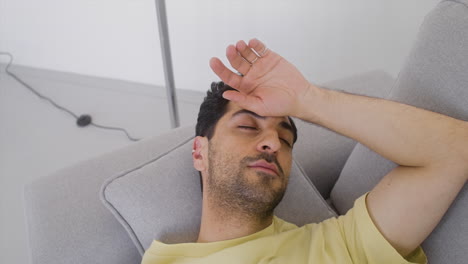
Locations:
199 153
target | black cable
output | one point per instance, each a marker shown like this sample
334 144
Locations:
79 119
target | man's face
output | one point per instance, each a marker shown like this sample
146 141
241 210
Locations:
249 161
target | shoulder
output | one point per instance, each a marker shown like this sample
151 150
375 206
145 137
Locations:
281 225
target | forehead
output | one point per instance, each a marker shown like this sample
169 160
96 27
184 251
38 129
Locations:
233 109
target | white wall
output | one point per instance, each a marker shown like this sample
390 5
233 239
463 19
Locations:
119 38
325 39
108 38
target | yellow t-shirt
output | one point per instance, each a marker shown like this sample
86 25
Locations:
352 238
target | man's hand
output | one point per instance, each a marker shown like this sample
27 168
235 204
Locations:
270 85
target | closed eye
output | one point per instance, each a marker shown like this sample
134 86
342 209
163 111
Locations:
247 127
254 128
287 142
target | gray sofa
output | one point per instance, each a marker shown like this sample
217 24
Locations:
108 209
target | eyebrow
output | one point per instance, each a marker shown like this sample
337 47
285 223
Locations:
283 124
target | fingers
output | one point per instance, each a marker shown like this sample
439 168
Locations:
259 48
246 52
245 101
241 57
233 96
236 60
226 75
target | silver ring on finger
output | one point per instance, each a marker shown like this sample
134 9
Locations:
246 60
254 60
265 50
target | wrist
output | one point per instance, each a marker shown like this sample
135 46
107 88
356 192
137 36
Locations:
309 103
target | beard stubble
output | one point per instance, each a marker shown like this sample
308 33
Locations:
231 191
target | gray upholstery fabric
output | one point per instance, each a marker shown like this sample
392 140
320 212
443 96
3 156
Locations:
322 153
434 77
66 221
162 200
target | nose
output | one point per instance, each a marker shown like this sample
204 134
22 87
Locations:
270 143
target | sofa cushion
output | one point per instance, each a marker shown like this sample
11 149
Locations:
162 199
434 77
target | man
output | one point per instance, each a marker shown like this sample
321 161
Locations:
243 151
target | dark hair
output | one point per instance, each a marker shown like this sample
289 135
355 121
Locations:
213 108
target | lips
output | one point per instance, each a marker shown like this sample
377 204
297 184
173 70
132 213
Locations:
264 165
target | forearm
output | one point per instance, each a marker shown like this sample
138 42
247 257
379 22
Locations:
404 134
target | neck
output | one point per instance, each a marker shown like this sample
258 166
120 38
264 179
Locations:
219 223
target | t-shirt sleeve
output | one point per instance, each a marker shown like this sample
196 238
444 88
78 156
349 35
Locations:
364 241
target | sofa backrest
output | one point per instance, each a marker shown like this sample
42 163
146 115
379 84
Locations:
321 152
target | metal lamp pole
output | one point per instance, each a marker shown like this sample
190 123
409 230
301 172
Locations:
167 62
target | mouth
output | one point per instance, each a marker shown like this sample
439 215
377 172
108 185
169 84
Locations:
264 166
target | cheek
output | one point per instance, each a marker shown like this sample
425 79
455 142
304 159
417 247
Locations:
288 169
237 146
224 155
287 164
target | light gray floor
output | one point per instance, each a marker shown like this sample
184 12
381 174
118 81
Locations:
36 138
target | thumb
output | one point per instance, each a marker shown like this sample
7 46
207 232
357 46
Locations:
250 103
